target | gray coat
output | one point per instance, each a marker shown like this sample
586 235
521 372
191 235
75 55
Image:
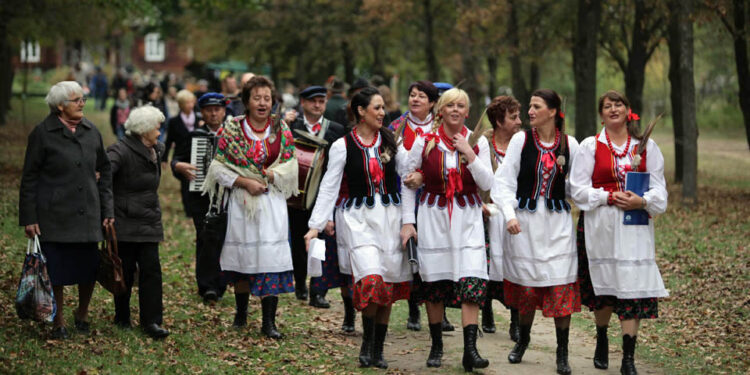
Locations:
135 180
59 189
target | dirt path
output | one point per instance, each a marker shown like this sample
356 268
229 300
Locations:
406 351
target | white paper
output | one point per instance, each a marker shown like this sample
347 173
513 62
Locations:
315 255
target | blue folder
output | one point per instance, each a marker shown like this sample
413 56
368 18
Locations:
638 183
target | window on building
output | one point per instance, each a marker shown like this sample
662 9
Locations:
154 48
30 52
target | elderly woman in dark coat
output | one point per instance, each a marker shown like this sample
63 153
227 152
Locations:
135 175
66 196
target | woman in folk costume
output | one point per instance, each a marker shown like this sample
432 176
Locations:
531 188
412 124
255 161
505 117
617 268
371 218
451 249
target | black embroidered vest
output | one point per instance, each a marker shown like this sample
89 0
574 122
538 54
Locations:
531 178
358 178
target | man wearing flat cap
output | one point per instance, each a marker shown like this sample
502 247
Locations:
213 109
313 102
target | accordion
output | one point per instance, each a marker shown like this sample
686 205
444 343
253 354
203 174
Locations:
202 152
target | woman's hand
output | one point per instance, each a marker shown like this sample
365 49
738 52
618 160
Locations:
32 230
462 145
628 200
414 180
253 186
269 175
485 211
330 228
187 170
514 227
290 116
312 233
407 231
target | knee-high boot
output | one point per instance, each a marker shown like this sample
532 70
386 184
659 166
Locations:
515 330
472 359
488 320
268 328
349 315
241 300
377 350
563 368
447 326
436 351
413 322
516 355
601 354
628 355
368 336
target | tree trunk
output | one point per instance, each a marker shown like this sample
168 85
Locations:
637 58
433 71
743 65
584 66
469 67
6 74
516 71
683 94
348 56
492 73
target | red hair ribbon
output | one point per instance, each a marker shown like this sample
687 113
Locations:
419 131
431 136
454 185
562 114
633 116
376 173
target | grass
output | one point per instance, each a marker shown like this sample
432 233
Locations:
702 252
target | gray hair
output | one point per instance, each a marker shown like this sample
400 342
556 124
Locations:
61 92
143 120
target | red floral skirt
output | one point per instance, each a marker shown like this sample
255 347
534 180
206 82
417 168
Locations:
554 301
372 289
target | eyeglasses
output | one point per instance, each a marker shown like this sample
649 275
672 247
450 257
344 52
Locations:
80 100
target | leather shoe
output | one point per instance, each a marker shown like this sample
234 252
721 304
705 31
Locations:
59 333
123 324
155 331
317 300
301 293
82 326
210 296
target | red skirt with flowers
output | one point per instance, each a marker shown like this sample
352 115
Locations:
372 289
554 301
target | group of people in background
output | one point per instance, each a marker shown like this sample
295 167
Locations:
489 210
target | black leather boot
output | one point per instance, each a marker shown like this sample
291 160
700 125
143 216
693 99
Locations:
349 315
488 320
436 351
377 350
472 360
601 354
628 355
563 368
413 322
524 337
515 330
447 326
268 328
240 316
368 336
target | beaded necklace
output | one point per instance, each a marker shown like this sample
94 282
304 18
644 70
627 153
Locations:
268 123
539 143
362 144
612 149
497 150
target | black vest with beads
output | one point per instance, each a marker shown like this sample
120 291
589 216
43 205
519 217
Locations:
357 177
531 178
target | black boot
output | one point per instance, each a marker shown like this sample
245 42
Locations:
413 322
349 315
472 359
488 320
436 351
524 337
563 368
268 328
628 355
447 326
601 354
377 350
515 330
368 336
240 316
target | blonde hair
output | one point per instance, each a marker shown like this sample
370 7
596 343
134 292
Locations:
183 96
451 96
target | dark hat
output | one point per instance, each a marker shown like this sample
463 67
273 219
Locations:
212 98
313 91
358 84
337 86
443 87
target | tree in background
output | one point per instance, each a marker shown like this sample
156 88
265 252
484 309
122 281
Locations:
584 66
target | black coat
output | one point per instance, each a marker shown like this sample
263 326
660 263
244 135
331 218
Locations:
59 189
194 203
135 181
334 132
178 135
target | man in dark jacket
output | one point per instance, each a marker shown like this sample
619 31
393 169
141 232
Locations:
336 105
213 110
312 120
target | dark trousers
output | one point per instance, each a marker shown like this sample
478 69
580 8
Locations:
298 227
143 256
207 254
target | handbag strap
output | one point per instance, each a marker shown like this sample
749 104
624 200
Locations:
111 240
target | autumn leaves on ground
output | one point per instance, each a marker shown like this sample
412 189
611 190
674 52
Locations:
703 326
